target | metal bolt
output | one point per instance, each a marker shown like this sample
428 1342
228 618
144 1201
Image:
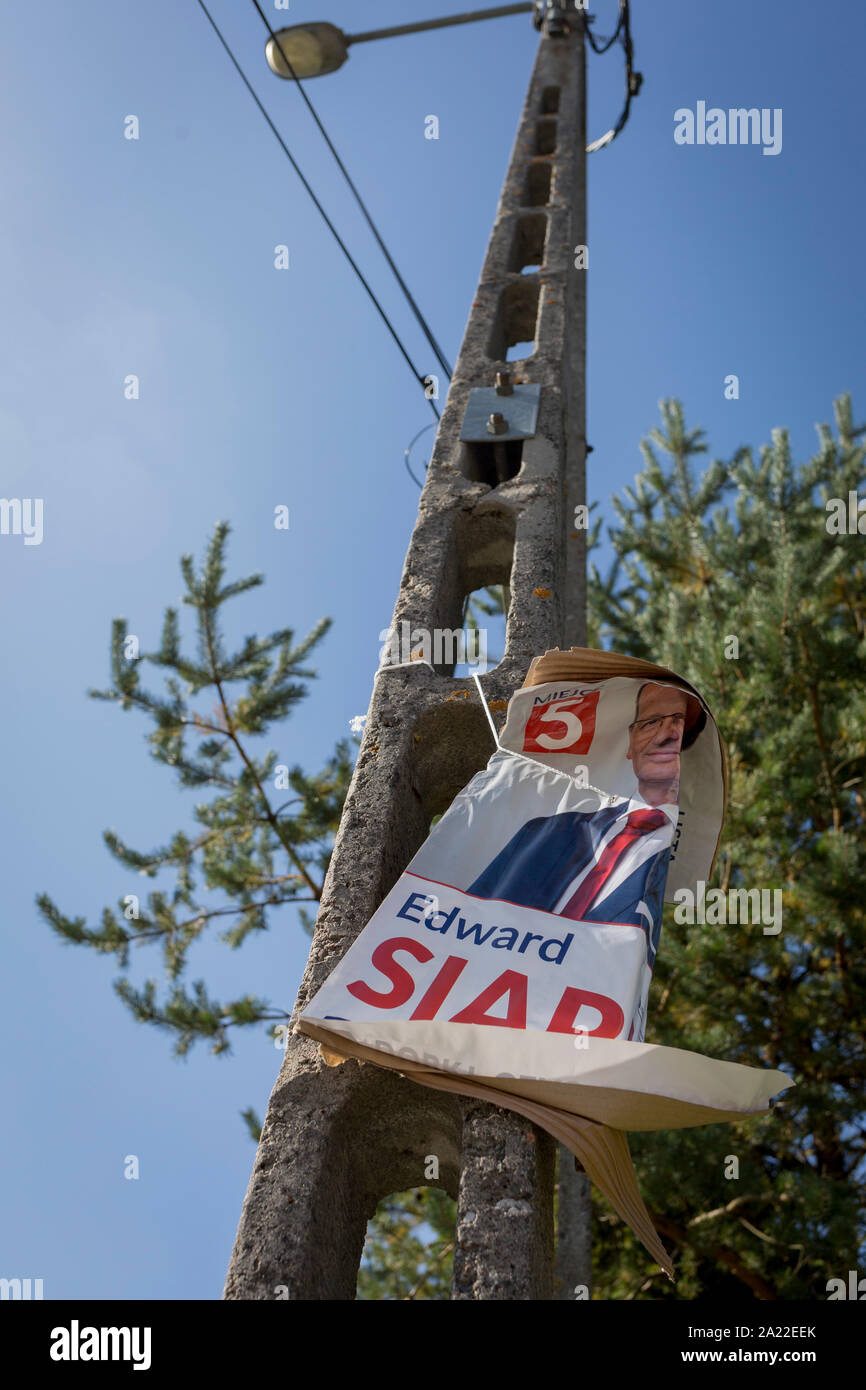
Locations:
497 424
503 384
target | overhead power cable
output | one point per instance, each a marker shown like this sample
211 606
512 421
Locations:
633 79
425 328
420 377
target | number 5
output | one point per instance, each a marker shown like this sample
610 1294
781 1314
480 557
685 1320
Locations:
560 713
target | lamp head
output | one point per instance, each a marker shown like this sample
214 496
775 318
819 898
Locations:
312 49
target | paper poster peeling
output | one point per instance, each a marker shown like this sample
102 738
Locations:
513 957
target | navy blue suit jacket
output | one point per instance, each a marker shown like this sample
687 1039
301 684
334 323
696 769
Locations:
546 855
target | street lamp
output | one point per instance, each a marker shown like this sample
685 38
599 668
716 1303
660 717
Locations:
315 49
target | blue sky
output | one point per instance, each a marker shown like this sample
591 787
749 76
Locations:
261 387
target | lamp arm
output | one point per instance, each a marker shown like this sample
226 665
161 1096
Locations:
470 18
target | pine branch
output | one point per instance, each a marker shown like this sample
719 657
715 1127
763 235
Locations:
240 838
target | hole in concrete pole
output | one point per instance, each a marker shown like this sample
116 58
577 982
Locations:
518 351
545 137
481 551
550 100
527 247
419 1226
451 740
492 463
538 186
515 318
484 618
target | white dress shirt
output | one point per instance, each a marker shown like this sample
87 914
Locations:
637 853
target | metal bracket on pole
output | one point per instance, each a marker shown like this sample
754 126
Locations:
495 414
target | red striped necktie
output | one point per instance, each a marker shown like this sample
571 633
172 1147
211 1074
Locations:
638 823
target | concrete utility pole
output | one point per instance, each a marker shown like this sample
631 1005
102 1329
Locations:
498 506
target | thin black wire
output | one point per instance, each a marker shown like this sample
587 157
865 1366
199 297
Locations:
287 152
408 450
602 45
633 79
425 328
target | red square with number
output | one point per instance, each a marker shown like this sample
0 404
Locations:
562 726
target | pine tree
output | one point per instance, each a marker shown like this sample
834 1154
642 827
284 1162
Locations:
254 849
733 579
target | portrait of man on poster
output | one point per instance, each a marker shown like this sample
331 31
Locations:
608 865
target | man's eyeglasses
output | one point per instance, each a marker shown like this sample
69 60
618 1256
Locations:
650 725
